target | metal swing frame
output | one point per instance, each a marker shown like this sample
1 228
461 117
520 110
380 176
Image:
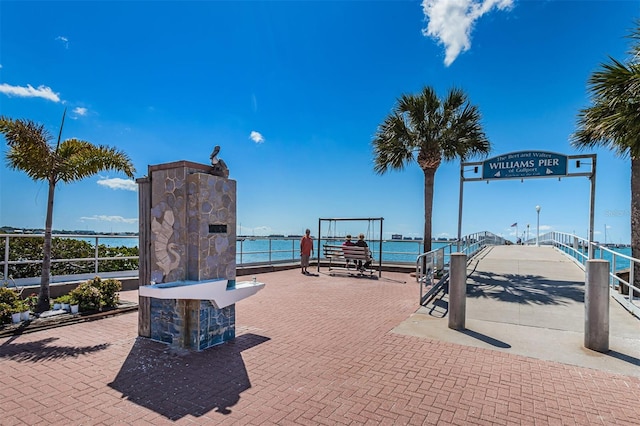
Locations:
350 219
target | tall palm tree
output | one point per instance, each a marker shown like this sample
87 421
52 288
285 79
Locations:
68 161
613 121
428 130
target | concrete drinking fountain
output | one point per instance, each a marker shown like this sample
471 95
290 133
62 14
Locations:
188 255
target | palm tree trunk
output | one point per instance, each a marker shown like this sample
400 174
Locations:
429 177
44 302
635 217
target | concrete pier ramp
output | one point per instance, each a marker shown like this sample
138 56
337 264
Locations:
529 301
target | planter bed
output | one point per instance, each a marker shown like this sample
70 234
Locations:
38 324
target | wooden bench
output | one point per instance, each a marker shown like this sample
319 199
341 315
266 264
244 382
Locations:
348 254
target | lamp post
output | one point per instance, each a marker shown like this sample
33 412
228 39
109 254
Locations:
538 227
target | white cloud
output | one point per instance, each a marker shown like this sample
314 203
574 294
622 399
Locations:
29 92
80 111
256 137
118 183
451 22
64 41
104 218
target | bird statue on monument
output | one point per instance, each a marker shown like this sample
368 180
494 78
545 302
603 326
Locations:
218 166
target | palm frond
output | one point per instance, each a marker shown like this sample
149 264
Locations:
80 159
29 148
425 129
613 119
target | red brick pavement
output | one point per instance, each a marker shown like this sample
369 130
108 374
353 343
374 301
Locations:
309 350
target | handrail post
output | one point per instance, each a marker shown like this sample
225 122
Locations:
458 291
596 306
631 281
613 270
96 257
6 257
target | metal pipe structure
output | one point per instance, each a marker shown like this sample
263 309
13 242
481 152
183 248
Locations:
592 202
538 227
460 204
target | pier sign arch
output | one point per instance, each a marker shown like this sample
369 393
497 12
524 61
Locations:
516 165
530 164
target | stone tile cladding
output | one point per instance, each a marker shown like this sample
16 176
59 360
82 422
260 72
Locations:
211 201
190 252
216 325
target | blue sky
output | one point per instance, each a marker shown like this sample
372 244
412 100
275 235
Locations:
293 92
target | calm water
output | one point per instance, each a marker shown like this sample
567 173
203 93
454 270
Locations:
257 250
621 263
250 251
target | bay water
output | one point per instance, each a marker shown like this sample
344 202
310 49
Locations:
278 249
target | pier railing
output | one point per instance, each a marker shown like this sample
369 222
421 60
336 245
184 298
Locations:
432 268
18 260
250 251
624 285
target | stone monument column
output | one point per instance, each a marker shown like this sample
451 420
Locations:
187 234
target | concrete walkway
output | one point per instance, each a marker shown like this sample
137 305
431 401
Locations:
309 350
530 301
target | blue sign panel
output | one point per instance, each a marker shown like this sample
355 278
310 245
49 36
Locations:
525 164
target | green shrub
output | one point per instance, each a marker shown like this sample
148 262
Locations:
109 289
10 303
19 306
8 296
32 301
96 294
87 295
66 298
5 313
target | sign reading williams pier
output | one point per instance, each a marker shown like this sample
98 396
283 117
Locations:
524 164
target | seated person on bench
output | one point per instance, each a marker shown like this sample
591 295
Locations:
362 243
348 243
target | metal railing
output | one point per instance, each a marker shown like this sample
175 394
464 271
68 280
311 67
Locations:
621 266
96 259
249 251
432 268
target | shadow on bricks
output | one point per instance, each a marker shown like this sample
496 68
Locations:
43 350
177 382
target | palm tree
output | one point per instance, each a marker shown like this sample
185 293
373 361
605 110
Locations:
613 121
67 161
428 130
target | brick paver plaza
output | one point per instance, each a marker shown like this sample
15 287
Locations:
309 350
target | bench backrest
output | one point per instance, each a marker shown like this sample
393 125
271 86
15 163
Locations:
347 252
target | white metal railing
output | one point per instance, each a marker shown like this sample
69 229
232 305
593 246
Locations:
250 251
95 259
578 248
432 267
